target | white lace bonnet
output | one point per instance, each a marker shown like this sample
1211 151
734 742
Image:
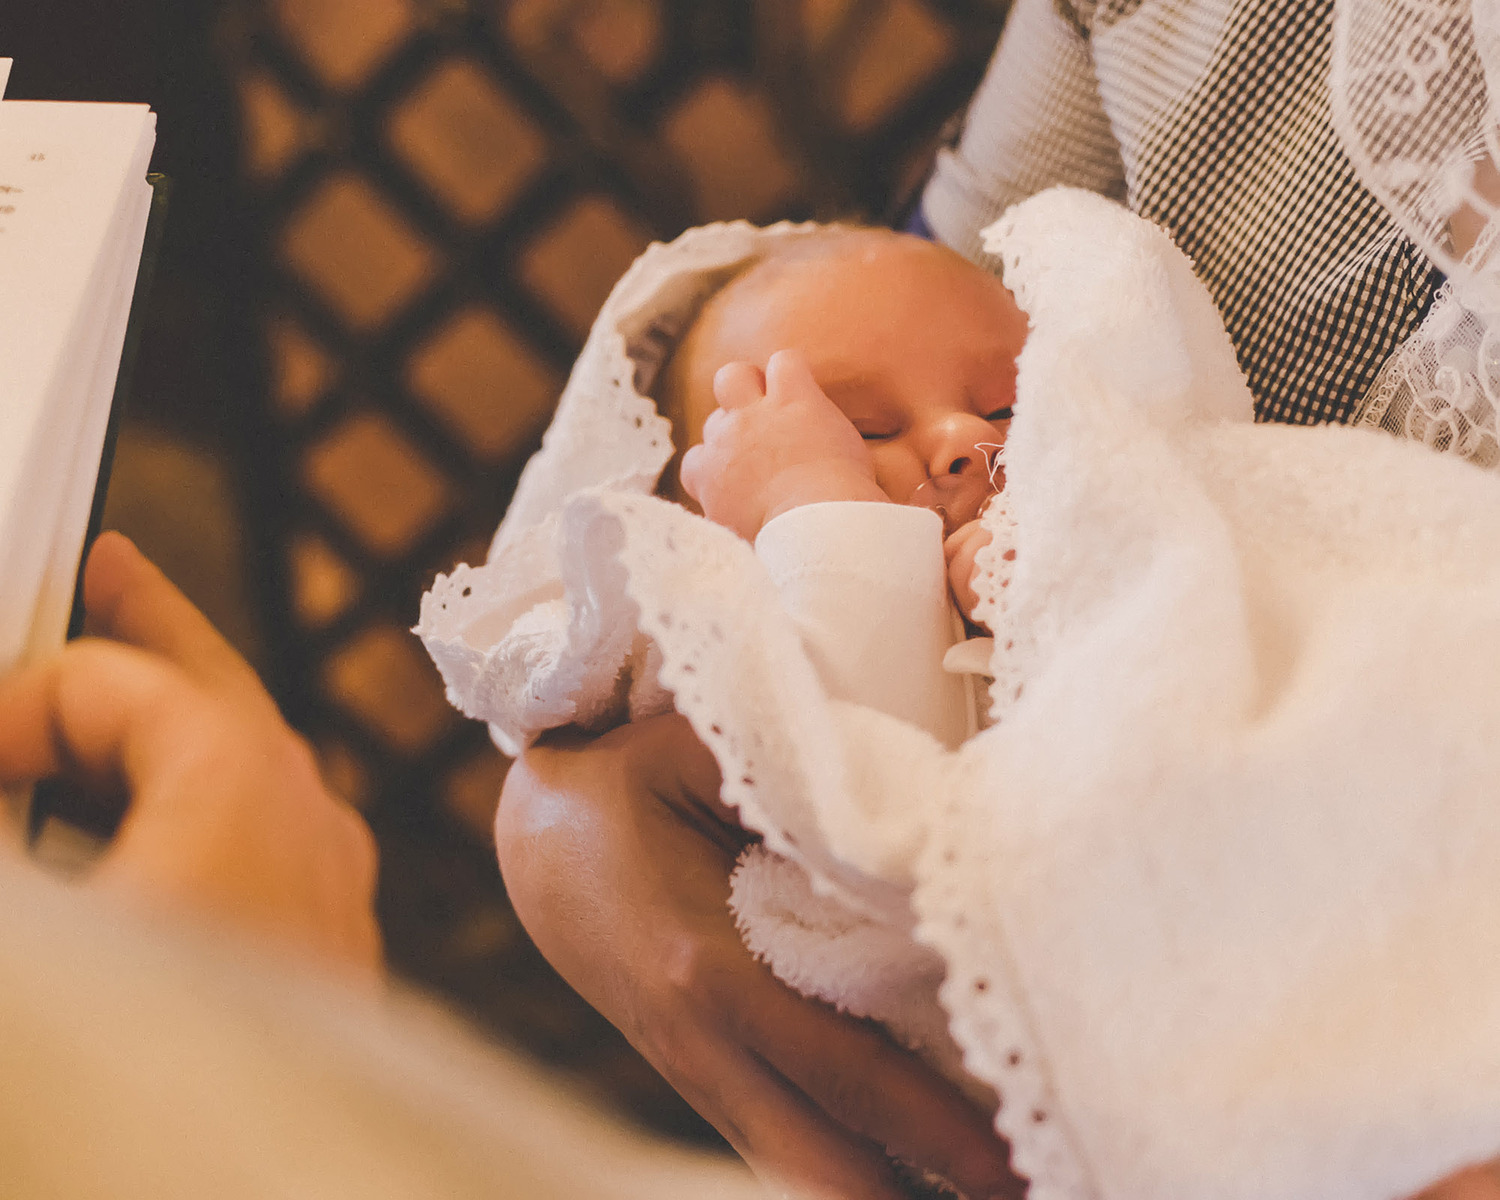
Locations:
607 430
606 435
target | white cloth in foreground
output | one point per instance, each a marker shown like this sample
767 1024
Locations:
147 1062
1216 898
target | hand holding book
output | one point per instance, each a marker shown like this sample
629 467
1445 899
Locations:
227 817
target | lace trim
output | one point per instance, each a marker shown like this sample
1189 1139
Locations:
777 746
607 431
698 592
608 435
994 572
1408 102
1412 101
988 1015
1071 301
1442 386
524 655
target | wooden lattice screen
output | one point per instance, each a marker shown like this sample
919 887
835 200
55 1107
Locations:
445 192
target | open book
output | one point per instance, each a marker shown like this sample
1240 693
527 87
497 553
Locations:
74 204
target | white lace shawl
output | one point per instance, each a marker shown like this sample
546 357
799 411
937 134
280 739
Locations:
1216 898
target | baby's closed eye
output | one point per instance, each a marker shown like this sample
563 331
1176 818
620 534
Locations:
881 429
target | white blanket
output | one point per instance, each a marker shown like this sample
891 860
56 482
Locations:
1218 896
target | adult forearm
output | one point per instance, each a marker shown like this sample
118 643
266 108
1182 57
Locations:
618 864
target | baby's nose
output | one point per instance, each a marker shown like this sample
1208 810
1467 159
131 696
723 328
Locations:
962 444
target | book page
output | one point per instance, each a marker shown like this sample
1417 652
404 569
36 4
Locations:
73 200
4 75
63 171
108 316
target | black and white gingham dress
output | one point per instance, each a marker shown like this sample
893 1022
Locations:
1210 117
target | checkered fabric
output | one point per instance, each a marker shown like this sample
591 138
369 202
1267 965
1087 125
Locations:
1210 117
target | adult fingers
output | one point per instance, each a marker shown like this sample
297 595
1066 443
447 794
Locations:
867 1088
228 816
786 1140
678 767
96 708
737 384
129 600
873 1088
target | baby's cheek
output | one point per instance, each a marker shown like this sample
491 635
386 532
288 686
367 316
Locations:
898 473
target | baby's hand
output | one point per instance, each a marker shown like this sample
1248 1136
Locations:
959 549
775 442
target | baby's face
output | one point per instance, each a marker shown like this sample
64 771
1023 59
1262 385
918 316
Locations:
916 345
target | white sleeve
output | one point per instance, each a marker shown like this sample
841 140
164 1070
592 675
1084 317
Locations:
1035 122
867 588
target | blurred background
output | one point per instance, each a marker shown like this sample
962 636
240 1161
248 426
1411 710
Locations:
391 226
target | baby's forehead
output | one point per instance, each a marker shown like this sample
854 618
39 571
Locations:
833 247
857 254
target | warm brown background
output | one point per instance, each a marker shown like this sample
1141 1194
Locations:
392 225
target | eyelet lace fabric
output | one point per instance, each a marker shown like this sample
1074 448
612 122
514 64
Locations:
1214 899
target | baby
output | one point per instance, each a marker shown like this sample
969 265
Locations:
862 365
839 400
823 396
806 371
1212 905
855 366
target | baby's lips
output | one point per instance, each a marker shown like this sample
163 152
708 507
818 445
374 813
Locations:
958 499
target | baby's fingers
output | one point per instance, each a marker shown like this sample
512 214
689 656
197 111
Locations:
789 379
693 472
961 549
967 538
738 384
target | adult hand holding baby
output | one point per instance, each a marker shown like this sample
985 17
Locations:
616 854
228 817
776 441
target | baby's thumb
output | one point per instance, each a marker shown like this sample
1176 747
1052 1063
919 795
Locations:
691 472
